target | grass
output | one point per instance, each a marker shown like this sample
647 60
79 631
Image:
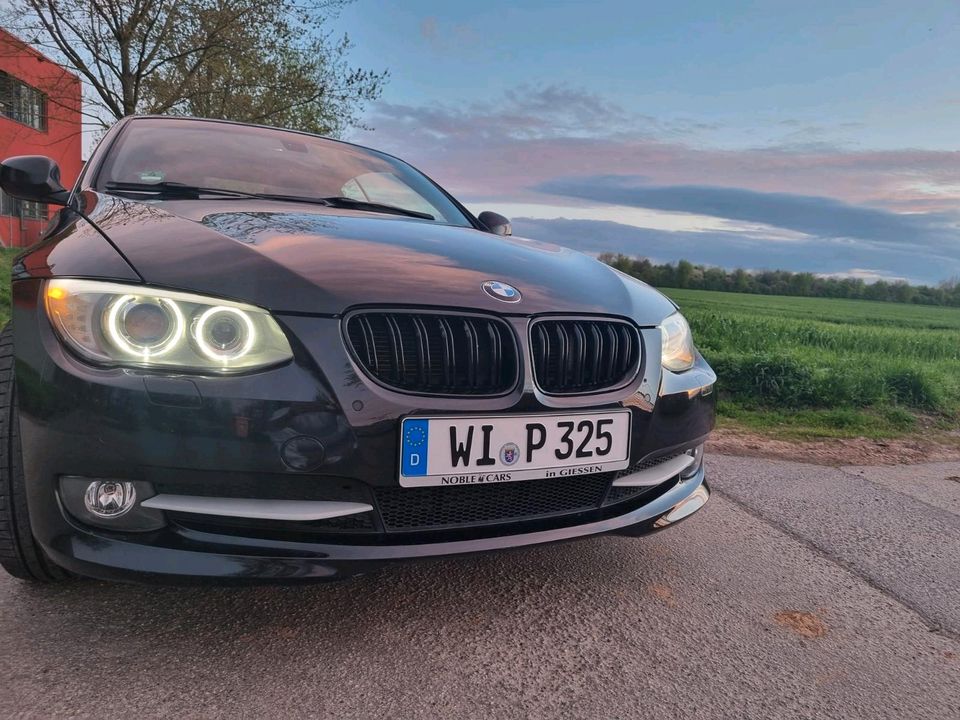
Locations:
6 258
817 367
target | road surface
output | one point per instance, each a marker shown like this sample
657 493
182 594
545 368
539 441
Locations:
799 592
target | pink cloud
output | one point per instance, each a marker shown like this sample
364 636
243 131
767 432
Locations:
501 150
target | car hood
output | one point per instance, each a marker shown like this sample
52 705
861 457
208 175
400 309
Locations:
312 259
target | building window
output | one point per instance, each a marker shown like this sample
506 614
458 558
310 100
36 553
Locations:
23 103
33 210
24 209
8 205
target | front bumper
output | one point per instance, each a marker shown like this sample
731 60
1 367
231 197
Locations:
230 436
203 557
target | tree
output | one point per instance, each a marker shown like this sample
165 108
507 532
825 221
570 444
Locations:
684 273
265 61
801 283
782 282
741 280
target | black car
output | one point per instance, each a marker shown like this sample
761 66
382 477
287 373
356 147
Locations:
245 353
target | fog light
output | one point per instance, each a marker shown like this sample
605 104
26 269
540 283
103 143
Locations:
110 503
109 498
694 467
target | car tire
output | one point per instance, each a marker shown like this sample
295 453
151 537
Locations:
20 554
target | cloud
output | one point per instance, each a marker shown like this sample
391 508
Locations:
533 134
521 114
734 249
808 214
800 203
866 275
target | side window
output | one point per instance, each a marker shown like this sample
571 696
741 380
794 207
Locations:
352 190
387 189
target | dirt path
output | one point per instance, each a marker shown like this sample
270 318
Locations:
855 451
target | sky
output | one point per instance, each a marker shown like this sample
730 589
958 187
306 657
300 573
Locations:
815 136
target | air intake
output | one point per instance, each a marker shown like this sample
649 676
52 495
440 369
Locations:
435 353
436 508
573 357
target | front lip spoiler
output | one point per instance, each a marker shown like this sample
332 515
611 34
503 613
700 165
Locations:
250 559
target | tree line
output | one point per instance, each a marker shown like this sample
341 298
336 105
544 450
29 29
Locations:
685 274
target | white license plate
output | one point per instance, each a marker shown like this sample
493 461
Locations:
472 450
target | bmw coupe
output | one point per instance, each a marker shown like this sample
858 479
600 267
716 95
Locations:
241 353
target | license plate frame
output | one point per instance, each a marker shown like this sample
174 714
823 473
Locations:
506 425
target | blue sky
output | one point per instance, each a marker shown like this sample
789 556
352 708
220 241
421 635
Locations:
814 135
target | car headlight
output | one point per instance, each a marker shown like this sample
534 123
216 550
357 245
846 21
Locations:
129 325
677 352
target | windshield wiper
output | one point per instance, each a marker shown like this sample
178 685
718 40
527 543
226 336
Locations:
181 190
352 204
193 192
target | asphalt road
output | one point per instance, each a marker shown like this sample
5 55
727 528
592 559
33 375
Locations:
800 591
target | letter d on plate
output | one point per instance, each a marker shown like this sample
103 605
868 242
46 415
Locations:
413 459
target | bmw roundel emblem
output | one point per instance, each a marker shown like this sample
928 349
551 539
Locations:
501 291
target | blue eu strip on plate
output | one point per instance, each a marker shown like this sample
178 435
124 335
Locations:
414 444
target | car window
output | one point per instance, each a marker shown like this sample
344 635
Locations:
268 160
388 189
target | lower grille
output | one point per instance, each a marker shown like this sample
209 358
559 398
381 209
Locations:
619 494
434 508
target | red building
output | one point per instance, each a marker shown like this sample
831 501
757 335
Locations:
39 115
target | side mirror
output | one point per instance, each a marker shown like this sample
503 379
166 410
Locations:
33 177
495 223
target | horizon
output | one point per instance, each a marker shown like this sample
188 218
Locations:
811 139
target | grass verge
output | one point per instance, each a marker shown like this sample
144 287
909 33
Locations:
808 368
6 258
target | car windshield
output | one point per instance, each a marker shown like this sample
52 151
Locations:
268 161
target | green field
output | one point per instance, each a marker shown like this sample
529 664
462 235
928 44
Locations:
812 367
6 256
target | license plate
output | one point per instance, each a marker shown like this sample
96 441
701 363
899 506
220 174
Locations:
473 450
